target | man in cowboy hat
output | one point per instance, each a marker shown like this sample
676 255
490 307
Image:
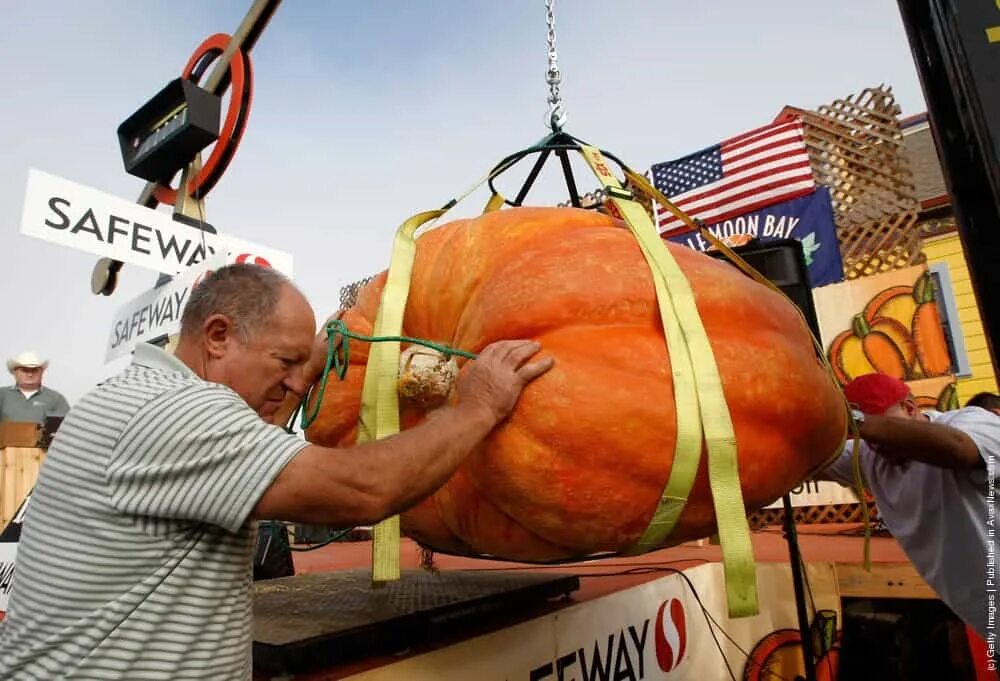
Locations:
27 400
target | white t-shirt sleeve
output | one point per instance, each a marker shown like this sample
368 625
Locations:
199 454
982 426
842 468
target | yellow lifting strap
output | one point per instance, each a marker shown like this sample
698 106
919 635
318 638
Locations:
644 186
692 346
495 202
379 416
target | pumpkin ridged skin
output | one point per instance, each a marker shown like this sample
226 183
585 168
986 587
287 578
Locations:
580 464
899 336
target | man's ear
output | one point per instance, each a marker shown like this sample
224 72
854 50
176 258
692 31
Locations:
219 334
910 406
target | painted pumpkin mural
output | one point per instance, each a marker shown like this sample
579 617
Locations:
889 323
898 333
779 655
581 463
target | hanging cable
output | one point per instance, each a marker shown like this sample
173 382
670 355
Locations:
556 117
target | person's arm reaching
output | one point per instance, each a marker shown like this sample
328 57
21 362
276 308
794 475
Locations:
936 444
361 485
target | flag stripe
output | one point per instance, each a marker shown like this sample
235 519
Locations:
696 200
762 198
786 136
763 131
779 149
736 207
745 197
773 159
747 172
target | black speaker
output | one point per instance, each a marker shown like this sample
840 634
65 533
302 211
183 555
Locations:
272 556
783 263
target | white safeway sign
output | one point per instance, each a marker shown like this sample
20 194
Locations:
819 493
8 553
157 313
71 214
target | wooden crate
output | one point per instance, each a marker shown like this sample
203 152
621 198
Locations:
19 434
19 467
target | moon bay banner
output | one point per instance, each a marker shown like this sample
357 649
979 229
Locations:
808 219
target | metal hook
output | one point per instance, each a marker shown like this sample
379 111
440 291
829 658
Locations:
556 118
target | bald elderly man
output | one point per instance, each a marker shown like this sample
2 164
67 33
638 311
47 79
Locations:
135 555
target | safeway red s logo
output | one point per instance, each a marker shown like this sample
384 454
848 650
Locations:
251 259
671 634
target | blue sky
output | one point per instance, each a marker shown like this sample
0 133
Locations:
367 112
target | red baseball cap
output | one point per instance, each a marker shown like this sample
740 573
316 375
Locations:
875 393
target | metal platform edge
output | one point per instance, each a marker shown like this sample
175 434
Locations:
450 622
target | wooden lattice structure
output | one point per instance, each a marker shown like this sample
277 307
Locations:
814 515
856 149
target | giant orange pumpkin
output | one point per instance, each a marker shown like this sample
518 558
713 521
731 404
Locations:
581 463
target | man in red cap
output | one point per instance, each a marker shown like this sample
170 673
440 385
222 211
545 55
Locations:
932 475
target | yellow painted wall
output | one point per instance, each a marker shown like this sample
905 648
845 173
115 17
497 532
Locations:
948 249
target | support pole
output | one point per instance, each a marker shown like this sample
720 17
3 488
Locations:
244 38
798 584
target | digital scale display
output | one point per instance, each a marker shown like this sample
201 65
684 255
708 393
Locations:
166 133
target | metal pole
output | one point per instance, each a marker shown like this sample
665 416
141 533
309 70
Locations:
798 584
244 37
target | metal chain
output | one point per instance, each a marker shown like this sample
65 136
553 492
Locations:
556 116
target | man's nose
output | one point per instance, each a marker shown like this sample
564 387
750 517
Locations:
296 381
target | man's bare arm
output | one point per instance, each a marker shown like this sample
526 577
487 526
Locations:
361 485
936 444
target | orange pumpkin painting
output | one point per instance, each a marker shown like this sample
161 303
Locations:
898 332
946 400
928 334
581 463
869 348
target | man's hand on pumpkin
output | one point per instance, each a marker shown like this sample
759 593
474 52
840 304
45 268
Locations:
494 381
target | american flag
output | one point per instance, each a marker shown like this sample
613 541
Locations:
737 176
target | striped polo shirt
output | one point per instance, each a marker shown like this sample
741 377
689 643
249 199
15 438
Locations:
136 551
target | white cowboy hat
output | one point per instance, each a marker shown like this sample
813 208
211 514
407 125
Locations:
26 359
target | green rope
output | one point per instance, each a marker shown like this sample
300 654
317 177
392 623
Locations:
336 536
338 358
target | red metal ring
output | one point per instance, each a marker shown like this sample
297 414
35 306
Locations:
233 126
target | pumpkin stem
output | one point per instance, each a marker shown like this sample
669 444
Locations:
923 289
426 376
860 326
